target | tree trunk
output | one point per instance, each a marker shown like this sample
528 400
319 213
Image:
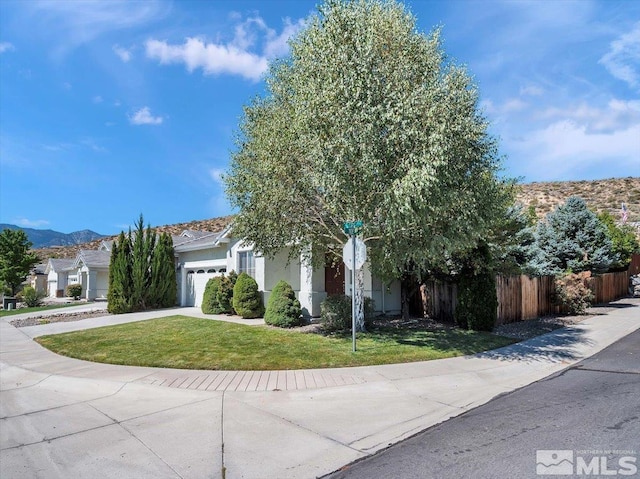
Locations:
404 299
425 300
359 291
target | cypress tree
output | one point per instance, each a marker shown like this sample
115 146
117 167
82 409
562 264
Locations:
163 287
119 293
143 245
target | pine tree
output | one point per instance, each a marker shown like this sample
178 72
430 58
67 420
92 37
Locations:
571 238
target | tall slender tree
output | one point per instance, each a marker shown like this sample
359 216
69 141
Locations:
120 284
163 289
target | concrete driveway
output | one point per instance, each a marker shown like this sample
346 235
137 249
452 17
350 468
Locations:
61 417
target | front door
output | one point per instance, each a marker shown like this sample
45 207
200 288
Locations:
334 277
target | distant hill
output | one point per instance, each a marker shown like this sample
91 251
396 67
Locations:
49 238
600 195
213 224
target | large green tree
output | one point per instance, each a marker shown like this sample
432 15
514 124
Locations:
571 238
367 119
16 259
623 238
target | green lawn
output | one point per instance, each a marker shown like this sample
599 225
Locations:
191 343
11 312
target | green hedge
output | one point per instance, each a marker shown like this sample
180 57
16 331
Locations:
283 309
247 300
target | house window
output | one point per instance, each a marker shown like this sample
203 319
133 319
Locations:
200 271
211 270
222 270
247 263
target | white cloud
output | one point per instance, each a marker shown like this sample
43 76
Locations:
24 222
617 115
144 117
212 58
237 57
71 24
97 99
6 47
124 54
216 175
565 146
623 58
531 90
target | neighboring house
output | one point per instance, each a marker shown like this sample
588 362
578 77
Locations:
92 270
60 274
38 278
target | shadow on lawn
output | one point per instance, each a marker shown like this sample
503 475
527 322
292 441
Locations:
557 346
445 339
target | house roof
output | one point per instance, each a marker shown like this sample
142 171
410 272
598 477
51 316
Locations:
59 264
204 240
93 259
40 268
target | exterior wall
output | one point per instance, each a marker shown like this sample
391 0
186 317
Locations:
308 284
386 298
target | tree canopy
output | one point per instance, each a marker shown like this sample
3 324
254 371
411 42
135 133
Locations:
15 258
366 119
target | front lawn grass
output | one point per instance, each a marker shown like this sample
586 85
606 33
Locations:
191 343
11 312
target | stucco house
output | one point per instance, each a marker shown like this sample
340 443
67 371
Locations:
92 270
201 256
38 278
60 274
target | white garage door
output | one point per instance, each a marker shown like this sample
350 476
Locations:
196 283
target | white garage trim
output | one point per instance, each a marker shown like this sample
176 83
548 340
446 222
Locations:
195 275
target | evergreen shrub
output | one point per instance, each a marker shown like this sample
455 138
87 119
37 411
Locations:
225 293
335 313
31 297
74 291
283 308
477 307
247 300
210 296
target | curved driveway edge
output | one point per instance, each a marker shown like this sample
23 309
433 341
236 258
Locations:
61 417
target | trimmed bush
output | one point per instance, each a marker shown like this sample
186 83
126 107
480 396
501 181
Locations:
74 291
335 313
31 297
283 309
247 301
573 293
477 307
210 296
225 293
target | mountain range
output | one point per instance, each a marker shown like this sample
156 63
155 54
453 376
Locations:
50 238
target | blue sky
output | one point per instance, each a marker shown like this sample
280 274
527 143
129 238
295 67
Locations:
109 109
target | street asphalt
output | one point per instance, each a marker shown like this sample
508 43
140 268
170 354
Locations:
66 418
590 409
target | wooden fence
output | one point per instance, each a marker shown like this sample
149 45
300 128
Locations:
521 297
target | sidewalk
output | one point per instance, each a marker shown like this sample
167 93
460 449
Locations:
61 417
